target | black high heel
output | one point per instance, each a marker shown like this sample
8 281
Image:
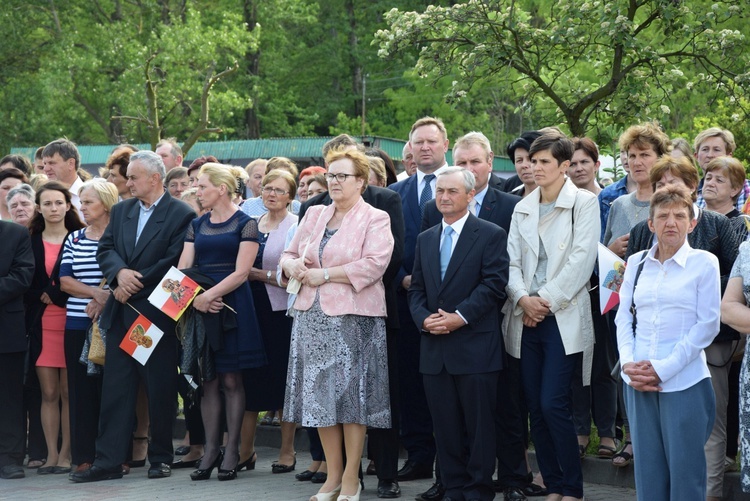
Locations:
228 474
205 473
249 464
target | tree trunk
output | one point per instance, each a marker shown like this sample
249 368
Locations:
252 70
356 68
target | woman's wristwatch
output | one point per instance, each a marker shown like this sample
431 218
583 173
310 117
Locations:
268 276
326 276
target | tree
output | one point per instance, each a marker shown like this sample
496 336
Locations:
581 63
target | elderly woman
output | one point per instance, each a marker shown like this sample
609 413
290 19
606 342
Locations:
81 278
338 375
645 144
45 313
316 185
670 297
222 244
9 179
723 181
547 324
20 202
265 386
721 237
735 312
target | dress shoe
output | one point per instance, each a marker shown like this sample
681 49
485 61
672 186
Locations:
94 474
434 493
182 450
513 494
413 471
249 464
283 468
46 470
227 474
125 468
388 489
351 497
12 471
327 496
59 470
185 464
159 470
320 477
532 490
305 476
205 473
371 469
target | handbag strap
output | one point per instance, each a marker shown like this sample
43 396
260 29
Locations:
632 299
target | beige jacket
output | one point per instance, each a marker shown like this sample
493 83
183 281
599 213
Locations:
570 234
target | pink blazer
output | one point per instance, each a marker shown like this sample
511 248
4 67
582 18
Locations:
362 245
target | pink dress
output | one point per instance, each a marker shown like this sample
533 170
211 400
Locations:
53 319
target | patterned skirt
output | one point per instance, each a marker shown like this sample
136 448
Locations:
338 371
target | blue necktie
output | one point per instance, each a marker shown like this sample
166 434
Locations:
445 250
426 194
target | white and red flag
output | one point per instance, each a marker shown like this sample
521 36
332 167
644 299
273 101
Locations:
611 271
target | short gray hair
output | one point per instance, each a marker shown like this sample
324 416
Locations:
151 161
469 179
24 189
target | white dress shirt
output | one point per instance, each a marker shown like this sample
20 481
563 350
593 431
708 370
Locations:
458 227
677 308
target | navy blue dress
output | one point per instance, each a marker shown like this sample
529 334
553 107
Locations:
216 249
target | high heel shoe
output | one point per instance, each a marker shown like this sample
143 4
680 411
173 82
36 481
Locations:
351 497
228 474
249 464
327 496
205 473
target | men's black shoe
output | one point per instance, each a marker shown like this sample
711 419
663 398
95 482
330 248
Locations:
12 471
434 493
94 474
532 490
388 489
513 494
159 470
414 471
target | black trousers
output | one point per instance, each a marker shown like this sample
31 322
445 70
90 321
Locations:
511 426
119 393
12 426
383 442
84 396
32 408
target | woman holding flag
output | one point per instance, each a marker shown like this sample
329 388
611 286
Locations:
222 244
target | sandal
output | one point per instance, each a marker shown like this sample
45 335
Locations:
627 457
267 419
606 452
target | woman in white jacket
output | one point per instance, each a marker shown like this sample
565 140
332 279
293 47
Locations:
552 247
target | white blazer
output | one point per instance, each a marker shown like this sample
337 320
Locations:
570 234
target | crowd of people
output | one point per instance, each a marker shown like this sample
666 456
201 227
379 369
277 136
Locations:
443 310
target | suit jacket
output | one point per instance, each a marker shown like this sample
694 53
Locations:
496 182
16 271
362 246
158 248
474 284
497 207
407 190
388 201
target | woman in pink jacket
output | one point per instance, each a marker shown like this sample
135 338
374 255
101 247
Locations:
337 361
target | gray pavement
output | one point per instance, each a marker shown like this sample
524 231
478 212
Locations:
259 484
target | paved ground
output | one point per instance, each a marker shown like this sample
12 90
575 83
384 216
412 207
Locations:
259 484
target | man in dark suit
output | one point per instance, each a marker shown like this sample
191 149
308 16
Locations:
384 442
429 143
144 239
473 152
458 284
16 271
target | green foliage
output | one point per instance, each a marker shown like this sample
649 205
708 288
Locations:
586 64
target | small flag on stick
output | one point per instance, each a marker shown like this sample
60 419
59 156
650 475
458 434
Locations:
611 271
174 293
141 339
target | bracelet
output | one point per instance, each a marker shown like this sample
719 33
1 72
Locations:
268 276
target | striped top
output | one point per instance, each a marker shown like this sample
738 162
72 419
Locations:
79 262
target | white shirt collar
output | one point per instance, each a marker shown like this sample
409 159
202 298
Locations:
457 226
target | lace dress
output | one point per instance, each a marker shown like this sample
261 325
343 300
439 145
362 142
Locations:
337 368
216 249
741 269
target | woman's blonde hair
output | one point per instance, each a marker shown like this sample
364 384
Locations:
106 191
227 175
